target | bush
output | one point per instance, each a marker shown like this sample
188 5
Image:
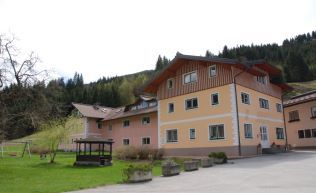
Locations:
141 153
219 155
131 168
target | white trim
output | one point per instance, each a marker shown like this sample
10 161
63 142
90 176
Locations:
86 127
209 72
194 134
129 141
215 93
158 124
242 92
183 82
141 120
172 79
234 113
185 103
216 124
252 134
167 136
260 117
196 119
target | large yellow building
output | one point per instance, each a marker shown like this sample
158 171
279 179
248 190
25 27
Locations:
216 104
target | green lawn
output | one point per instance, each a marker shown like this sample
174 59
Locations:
34 175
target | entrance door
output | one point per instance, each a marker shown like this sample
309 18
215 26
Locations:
264 137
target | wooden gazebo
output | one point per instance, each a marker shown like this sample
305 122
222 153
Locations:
93 151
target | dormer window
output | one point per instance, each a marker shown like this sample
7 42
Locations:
170 83
212 71
190 77
262 79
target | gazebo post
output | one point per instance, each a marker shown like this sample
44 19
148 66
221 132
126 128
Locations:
103 149
111 150
79 146
90 148
84 153
99 149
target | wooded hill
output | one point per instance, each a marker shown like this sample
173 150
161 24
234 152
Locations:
24 107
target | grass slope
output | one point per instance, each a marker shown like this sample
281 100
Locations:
300 88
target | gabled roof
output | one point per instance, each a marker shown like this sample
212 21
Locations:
243 65
120 113
302 98
93 111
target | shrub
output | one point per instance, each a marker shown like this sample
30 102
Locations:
219 155
131 168
142 153
169 162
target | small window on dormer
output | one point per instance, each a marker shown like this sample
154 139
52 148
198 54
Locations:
190 77
170 83
212 71
262 79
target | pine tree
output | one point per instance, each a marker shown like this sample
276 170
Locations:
159 64
296 70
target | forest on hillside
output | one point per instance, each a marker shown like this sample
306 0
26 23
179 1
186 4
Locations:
28 101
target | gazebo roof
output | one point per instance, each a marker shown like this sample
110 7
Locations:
94 140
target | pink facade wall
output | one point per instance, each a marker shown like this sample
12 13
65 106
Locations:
135 132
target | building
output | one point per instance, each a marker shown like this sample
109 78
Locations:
300 120
135 124
217 104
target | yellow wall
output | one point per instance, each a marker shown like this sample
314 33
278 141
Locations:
200 118
305 122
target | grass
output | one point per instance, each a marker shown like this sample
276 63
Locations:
300 88
32 175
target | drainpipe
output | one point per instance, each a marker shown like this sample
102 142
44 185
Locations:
237 111
286 141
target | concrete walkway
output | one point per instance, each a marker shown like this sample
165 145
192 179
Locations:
293 172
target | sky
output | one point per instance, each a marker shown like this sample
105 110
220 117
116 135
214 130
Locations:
107 38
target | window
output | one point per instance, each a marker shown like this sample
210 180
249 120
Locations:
110 127
300 134
264 103
145 120
170 83
126 123
248 130
308 133
125 141
146 140
170 108
279 107
191 103
172 135
216 132
192 133
189 77
313 109
245 98
262 79
214 99
212 71
99 125
294 116
279 133
314 132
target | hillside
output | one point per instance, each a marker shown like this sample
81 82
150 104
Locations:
300 88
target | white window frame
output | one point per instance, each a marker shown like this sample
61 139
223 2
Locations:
169 107
185 103
279 107
129 141
262 79
145 123
241 97
248 137
276 132
129 123
209 71
190 133
313 111
209 132
167 136
216 93
172 81
189 73
266 105
146 138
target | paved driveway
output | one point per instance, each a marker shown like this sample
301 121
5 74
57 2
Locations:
293 172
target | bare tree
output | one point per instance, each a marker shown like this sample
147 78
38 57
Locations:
13 69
